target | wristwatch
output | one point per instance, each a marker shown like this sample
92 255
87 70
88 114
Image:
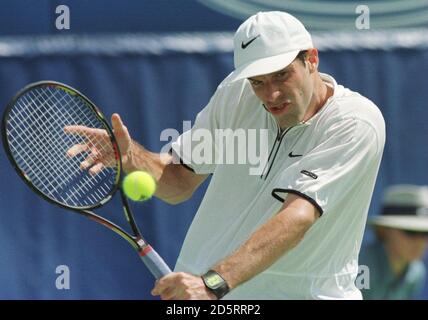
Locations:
215 283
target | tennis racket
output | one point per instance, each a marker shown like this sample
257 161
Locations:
36 144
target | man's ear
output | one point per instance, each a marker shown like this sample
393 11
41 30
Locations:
312 59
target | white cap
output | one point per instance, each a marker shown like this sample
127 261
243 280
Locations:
267 42
404 207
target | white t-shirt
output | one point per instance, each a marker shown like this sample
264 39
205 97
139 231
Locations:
332 160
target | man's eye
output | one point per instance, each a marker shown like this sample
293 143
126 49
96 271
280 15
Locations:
255 82
281 74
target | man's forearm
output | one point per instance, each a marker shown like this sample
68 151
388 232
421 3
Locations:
267 244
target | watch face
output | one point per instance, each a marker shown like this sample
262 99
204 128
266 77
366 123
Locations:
214 280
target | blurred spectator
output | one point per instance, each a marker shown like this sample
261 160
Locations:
394 259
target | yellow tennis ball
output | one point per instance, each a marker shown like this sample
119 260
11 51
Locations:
139 186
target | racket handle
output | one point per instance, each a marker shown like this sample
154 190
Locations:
154 262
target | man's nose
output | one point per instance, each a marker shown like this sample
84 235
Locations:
271 93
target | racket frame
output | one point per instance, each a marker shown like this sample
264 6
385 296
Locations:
136 241
94 109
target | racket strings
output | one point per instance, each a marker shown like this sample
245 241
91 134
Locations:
50 141
44 141
36 145
79 139
39 118
39 145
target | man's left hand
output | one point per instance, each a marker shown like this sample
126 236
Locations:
182 286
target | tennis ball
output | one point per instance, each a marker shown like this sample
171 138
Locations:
139 186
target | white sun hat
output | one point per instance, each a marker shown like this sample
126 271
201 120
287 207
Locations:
405 207
267 42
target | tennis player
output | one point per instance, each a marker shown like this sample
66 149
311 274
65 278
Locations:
295 230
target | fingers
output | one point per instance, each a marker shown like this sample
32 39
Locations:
76 149
98 144
118 127
84 131
90 160
180 286
116 120
94 138
158 289
97 168
120 132
168 294
163 284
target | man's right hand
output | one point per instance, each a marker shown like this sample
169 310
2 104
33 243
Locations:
97 142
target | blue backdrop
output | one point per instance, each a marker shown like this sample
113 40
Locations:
155 89
153 92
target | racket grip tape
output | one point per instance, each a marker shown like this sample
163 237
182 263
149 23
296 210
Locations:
154 262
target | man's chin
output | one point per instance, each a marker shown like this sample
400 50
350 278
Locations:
287 121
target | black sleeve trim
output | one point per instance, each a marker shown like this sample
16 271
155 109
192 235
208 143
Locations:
174 154
304 196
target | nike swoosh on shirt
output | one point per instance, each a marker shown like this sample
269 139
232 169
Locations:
244 45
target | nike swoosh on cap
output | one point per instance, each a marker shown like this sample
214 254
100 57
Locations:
244 45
